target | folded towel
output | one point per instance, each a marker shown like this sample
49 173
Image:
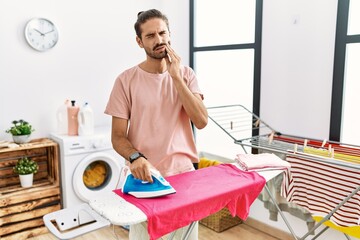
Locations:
249 162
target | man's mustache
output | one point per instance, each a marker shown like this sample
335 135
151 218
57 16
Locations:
159 45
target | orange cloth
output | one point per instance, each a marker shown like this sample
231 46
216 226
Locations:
204 162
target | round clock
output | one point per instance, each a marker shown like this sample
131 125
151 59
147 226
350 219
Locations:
41 34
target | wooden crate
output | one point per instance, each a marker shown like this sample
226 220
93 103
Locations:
22 209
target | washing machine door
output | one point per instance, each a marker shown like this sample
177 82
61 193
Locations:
95 174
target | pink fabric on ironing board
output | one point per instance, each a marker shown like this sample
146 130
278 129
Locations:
199 194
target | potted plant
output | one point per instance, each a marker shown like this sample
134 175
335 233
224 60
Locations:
26 168
20 131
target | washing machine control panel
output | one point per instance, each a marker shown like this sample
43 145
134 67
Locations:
78 145
99 144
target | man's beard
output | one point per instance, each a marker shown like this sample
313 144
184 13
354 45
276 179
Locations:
153 54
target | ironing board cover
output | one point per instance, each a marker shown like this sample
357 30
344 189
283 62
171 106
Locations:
199 194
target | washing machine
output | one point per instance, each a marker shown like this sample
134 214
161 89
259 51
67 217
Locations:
89 166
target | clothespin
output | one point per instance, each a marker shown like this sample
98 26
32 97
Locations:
257 123
231 125
323 143
331 151
305 143
271 137
295 147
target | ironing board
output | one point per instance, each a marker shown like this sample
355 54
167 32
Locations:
105 210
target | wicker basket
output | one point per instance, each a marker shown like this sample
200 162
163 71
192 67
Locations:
220 221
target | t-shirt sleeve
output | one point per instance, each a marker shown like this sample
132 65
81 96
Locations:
191 81
118 104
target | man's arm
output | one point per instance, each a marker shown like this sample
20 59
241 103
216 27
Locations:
192 103
140 168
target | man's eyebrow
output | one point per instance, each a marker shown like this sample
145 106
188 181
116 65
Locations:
149 34
153 33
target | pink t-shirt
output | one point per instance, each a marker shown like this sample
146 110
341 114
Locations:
159 125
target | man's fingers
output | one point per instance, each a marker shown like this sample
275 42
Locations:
141 171
169 58
144 175
147 176
170 53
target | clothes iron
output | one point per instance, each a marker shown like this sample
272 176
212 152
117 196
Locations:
143 189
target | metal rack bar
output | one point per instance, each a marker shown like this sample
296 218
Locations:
259 135
281 213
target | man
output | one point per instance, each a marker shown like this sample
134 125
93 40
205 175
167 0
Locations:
153 104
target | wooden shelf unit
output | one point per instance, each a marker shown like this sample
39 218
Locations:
22 209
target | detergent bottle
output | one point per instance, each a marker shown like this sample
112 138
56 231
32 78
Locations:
73 124
86 120
62 118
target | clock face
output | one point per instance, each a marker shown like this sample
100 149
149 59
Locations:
41 34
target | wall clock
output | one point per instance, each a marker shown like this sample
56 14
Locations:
41 34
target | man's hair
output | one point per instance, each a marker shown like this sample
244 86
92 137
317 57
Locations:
144 16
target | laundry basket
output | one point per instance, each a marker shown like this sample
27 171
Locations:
221 220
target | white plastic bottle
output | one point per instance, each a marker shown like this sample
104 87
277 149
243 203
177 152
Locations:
62 118
86 120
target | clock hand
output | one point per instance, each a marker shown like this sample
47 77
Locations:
49 32
39 32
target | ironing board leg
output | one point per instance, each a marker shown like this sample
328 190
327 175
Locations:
187 233
281 213
191 227
172 235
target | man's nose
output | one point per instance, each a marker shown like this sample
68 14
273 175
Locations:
158 38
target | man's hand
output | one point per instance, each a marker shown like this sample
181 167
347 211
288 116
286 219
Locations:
140 169
173 62
192 102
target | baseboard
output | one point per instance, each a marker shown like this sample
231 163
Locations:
263 227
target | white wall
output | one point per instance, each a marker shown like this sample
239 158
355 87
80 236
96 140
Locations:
97 42
297 66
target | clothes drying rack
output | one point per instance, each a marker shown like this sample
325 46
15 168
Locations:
254 135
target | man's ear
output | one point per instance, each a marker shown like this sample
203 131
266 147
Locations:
139 42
